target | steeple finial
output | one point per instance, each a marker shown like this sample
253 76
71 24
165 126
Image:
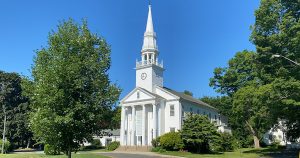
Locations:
149 27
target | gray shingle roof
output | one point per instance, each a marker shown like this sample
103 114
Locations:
189 98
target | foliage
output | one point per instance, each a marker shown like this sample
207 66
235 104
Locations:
226 142
198 133
285 101
155 149
7 146
155 142
222 103
113 145
70 92
186 92
241 71
171 141
97 143
116 118
51 150
277 31
17 108
251 107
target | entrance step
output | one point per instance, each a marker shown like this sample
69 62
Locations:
134 148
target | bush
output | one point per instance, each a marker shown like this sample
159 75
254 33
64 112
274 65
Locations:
155 142
199 134
171 141
113 145
155 149
51 150
226 142
6 146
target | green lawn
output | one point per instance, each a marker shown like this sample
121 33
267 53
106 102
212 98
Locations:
82 154
241 153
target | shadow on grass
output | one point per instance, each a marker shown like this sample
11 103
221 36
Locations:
275 153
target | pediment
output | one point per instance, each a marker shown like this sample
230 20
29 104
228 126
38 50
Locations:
138 94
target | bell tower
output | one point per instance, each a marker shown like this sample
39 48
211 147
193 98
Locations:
149 71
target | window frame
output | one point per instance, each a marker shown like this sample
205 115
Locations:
172 110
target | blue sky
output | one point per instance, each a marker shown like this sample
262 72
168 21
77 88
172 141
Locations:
194 36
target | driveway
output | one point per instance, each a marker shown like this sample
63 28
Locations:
135 155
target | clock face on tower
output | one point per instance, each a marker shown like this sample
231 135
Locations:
143 76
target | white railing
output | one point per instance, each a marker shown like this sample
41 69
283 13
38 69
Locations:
149 62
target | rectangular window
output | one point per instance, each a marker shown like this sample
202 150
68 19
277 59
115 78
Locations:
191 109
172 110
138 95
172 129
198 111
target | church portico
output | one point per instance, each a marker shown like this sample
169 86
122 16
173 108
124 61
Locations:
139 126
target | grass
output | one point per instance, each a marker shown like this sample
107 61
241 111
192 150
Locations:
241 153
81 154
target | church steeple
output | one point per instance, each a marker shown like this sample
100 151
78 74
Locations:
149 49
149 72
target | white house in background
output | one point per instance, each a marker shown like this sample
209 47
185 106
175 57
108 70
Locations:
150 109
278 134
106 137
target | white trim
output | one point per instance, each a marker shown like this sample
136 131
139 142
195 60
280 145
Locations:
134 90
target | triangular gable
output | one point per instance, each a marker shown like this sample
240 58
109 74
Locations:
133 96
165 94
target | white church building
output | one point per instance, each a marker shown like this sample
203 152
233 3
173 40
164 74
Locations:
150 109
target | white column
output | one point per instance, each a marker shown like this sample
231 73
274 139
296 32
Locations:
144 126
122 134
133 135
147 58
154 121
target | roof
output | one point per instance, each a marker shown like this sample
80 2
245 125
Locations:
157 96
189 98
115 132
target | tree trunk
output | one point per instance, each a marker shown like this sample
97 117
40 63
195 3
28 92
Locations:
254 135
28 143
256 142
69 152
4 124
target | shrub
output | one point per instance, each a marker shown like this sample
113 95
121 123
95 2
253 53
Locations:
113 145
51 150
155 142
155 149
226 142
6 146
199 134
171 141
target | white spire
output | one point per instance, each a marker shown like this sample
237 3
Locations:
149 27
149 44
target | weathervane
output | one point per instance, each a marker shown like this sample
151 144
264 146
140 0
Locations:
149 2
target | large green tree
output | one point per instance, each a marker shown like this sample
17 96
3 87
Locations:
277 31
250 107
241 71
16 108
70 92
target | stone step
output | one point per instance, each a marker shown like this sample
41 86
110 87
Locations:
134 148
